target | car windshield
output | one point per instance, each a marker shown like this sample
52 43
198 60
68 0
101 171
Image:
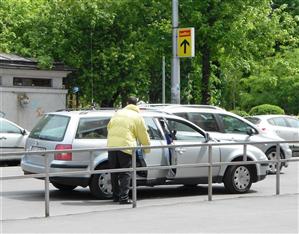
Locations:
51 128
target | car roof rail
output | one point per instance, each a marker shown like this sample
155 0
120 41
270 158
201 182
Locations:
87 109
166 105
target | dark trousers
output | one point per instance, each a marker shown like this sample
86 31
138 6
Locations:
120 181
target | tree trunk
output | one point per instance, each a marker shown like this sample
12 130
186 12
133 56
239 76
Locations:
206 73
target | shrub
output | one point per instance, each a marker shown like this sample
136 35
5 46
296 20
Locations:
240 113
266 109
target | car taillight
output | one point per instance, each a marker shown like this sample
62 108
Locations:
63 156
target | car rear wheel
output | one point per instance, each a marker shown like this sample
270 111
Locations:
64 187
271 155
238 179
100 184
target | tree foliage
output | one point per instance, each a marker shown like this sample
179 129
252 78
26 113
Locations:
245 49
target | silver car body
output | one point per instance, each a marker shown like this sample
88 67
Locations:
78 138
12 139
284 126
225 125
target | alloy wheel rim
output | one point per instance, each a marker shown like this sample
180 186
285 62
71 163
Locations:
105 183
241 178
272 166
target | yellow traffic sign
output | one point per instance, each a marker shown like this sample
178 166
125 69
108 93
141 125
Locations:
185 42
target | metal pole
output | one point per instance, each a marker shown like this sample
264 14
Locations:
175 65
47 193
210 174
245 152
278 169
163 79
134 192
90 163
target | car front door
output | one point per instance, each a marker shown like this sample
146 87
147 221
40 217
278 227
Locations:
187 134
233 129
11 137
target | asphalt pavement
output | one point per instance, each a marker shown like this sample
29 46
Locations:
162 210
270 214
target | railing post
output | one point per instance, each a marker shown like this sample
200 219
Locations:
90 163
278 169
245 152
210 174
47 181
134 191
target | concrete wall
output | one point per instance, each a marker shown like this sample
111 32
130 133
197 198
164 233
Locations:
40 99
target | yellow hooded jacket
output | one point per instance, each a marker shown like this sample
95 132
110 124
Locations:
127 127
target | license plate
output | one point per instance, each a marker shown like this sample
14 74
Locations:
36 148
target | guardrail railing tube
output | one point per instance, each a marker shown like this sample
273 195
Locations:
47 192
278 169
210 173
134 192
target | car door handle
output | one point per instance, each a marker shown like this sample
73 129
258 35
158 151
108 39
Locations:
3 138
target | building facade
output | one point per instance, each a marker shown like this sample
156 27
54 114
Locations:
27 92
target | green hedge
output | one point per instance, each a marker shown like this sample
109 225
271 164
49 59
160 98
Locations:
240 113
266 109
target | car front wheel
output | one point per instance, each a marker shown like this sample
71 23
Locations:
238 179
100 184
271 155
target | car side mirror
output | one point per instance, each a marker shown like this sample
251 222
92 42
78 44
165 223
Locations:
250 131
23 132
207 137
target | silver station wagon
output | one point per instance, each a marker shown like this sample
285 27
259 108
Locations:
224 125
87 129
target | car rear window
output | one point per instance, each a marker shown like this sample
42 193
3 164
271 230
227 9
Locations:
50 127
92 128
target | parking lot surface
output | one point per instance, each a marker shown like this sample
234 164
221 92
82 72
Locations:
159 210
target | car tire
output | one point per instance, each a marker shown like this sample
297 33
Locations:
100 184
63 187
271 155
238 179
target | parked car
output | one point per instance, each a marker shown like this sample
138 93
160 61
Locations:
224 125
12 139
87 129
284 126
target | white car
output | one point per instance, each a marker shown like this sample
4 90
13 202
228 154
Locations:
12 139
224 125
284 126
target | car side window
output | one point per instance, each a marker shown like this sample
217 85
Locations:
152 129
6 127
183 131
206 121
92 128
279 122
294 123
234 125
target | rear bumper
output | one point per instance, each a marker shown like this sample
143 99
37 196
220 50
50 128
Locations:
78 179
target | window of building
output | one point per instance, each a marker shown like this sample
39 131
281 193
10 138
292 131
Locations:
20 81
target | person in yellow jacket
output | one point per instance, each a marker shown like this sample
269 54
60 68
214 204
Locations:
126 128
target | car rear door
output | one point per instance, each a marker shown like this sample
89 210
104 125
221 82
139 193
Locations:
158 156
187 134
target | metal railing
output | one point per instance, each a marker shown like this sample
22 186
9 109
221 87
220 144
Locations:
90 171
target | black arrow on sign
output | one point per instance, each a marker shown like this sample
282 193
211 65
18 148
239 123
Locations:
185 43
